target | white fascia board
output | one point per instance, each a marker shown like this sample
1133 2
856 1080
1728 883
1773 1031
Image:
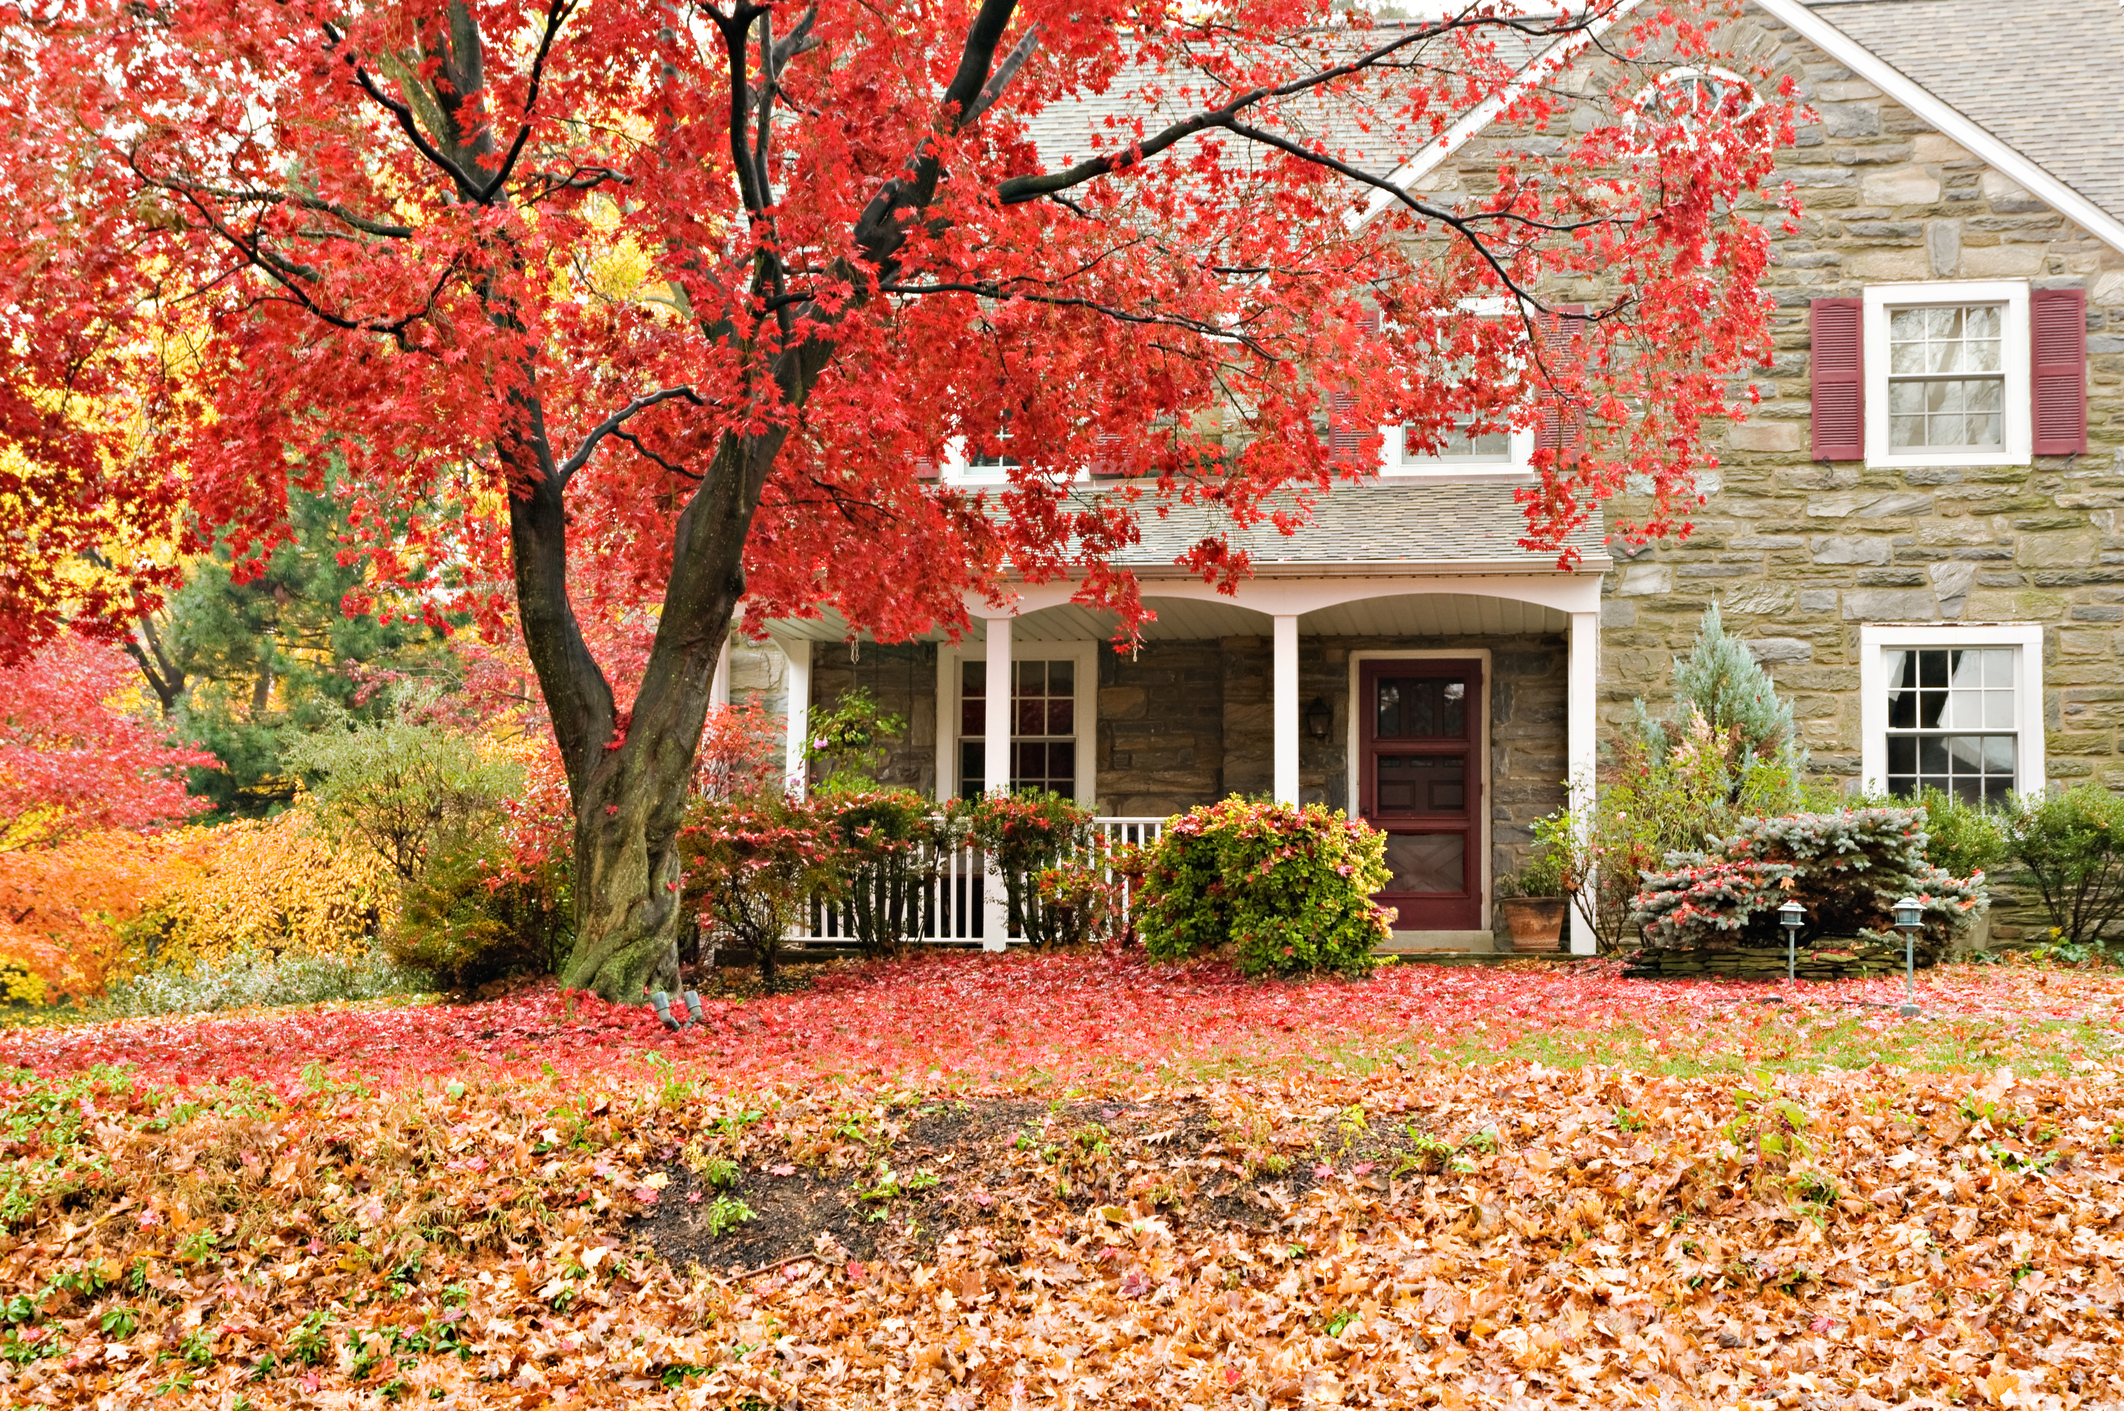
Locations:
1589 564
1948 120
1551 61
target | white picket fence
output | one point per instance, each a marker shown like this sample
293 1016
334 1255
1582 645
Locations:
964 904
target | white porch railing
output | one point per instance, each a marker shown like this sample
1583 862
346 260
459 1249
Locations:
964 903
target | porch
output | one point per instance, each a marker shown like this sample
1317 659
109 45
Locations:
1282 688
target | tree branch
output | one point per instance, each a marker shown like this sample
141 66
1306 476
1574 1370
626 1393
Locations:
1019 189
615 421
557 14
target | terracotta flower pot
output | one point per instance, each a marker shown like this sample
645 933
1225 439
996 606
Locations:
1536 923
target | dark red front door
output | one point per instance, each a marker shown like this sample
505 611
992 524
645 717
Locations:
1420 782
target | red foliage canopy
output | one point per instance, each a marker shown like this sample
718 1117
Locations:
69 762
423 236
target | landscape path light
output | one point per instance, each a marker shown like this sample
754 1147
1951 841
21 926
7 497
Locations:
1792 916
1909 915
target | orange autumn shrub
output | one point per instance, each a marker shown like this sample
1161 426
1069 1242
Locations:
77 916
64 910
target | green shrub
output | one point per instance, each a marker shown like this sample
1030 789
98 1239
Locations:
434 805
406 790
1847 869
2072 845
1726 752
1289 888
1962 838
474 916
1025 835
1543 876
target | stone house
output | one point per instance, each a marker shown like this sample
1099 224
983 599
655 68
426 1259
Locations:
1916 532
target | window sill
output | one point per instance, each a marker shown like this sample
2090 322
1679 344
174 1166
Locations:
1471 475
1945 460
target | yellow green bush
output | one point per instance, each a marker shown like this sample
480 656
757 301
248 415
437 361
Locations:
270 887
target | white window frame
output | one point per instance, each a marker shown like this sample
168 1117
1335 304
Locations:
959 469
1877 639
2018 413
951 682
1518 464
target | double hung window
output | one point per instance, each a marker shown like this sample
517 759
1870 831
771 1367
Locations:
1953 707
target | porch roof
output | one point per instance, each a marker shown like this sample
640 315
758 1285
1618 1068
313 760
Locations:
1375 527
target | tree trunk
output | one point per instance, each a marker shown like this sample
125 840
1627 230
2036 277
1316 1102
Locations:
629 778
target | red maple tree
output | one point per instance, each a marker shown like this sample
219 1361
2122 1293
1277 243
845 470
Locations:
692 293
71 763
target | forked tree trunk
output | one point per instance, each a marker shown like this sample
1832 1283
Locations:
629 779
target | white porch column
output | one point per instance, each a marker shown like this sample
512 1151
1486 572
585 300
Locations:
1284 719
995 774
719 684
798 719
1580 750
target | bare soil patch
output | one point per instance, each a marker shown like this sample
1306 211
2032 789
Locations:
899 1184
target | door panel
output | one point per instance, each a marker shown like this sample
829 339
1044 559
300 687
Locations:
1420 777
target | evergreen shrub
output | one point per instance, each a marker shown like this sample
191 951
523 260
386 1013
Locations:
1846 869
1289 889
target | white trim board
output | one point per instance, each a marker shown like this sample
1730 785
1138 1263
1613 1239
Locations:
1948 120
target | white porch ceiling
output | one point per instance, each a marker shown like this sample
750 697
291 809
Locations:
1193 619
1433 615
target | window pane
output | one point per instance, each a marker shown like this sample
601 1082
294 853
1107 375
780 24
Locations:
1061 716
1422 708
1061 678
973 700
973 769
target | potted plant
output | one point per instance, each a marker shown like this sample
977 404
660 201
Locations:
1532 903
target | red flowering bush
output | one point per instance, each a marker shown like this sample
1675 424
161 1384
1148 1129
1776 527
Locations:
1289 888
753 866
1846 869
1026 837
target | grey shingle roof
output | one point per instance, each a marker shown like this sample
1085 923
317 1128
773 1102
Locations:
1382 526
2035 73
1092 123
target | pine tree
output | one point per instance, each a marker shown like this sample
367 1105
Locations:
1721 682
245 668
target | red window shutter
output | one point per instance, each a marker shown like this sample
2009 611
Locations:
1344 435
1837 363
1106 462
2058 319
1563 333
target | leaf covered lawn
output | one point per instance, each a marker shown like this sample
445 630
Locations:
977 1022
1438 1187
